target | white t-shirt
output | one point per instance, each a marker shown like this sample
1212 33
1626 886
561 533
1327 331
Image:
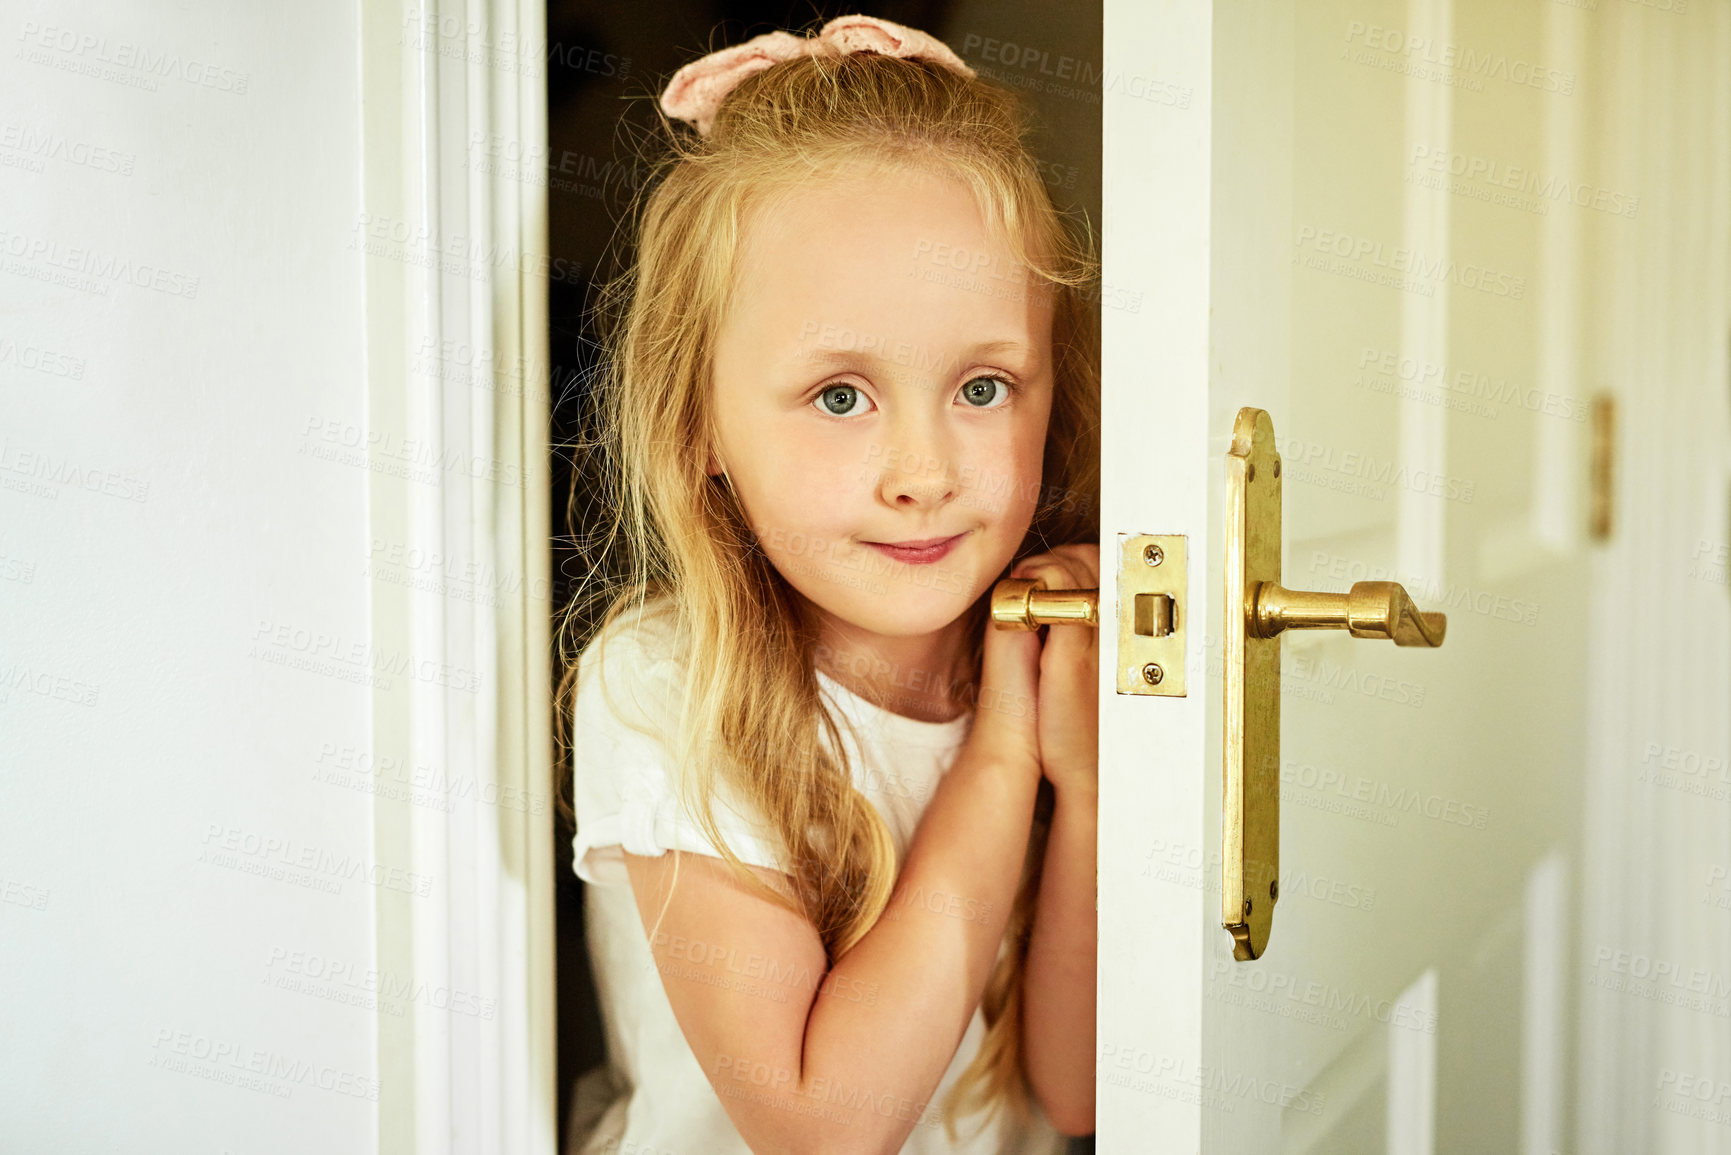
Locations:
651 1097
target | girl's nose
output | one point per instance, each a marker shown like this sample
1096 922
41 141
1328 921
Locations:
923 473
911 491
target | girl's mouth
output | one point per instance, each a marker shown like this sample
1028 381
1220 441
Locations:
917 552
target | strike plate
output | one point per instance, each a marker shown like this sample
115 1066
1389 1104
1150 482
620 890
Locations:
1152 614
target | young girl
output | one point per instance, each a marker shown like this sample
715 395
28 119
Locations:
839 836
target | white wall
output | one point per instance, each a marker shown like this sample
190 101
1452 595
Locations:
180 325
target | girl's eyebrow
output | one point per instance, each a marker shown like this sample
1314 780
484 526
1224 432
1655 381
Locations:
898 351
1021 348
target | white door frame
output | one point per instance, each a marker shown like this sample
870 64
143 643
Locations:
456 328
1157 359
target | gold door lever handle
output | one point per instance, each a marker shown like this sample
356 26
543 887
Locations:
1258 610
1368 610
1026 604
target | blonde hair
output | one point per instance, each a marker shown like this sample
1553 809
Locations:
672 535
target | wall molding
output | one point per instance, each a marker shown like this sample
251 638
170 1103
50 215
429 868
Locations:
456 330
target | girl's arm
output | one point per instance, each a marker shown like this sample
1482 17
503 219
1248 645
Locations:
1059 979
847 1061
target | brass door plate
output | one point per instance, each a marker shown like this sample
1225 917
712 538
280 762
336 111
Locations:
1250 803
1153 612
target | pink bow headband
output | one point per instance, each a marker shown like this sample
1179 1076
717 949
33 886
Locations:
698 89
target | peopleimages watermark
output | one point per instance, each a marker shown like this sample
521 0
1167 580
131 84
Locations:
1708 562
982 271
915 686
567 171
1447 62
16 677
450 576
418 459
1686 771
1718 891
17 569
232 1063
24 894
1469 383
1219 1086
1355 796
1695 1096
87 269
30 147
750 973
1365 258
1541 189
738 1077
302 864
1454 597
471 41
982 487
318 651
40 359
357 768
38 473
122 62
368 988
1035 69
1364 473
977 271
1324 1004
1661 980
1317 678
454 254
516 374
1182 865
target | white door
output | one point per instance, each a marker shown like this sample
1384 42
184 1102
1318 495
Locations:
1423 236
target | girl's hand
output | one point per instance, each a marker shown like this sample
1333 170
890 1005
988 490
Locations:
1006 710
1067 715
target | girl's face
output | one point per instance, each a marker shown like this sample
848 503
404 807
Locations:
883 380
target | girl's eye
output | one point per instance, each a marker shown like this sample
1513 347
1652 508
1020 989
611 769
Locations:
986 392
842 400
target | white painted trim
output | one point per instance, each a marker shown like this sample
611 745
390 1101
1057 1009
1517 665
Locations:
459 473
1659 658
1154 781
1424 320
1558 515
1412 1070
1544 999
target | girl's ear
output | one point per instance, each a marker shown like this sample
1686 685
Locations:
714 468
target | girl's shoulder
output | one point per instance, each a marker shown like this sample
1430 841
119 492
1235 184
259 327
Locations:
626 755
634 666
643 631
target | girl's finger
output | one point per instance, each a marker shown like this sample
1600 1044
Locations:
1010 663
